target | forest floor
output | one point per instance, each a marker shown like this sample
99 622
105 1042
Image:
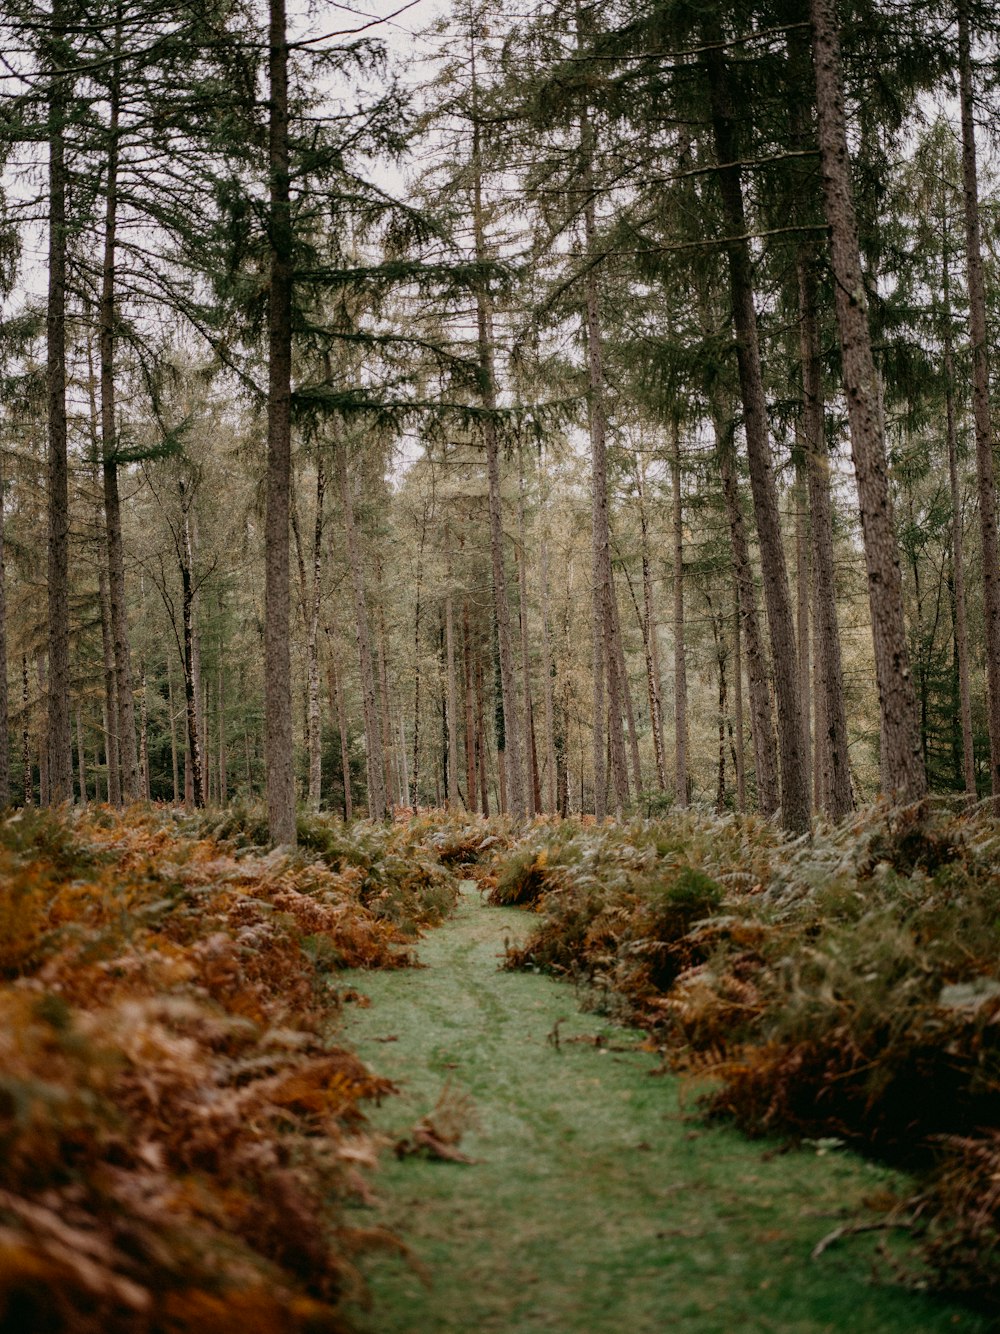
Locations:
596 1199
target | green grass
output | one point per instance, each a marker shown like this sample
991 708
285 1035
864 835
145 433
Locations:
598 1203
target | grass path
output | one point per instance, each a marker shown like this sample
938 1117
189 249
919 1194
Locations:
597 1203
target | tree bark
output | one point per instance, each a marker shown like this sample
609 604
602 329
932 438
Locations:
337 705
985 470
470 727
194 772
374 764
904 777
649 639
831 737
680 648
315 739
605 657
739 761
173 736
957 553
481 752
795 779
125 712
111 747
548 673
4 697
522 604
452 684
510 759
279 758
803 600
59 742
29 780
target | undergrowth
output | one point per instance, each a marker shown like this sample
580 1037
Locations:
846 986
177 1131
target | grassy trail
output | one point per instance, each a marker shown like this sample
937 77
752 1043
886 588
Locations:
596 1204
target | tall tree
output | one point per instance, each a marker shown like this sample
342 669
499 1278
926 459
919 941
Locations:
985 469
795 782
58 741
902 765
280 780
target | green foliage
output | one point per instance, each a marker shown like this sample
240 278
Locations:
846 986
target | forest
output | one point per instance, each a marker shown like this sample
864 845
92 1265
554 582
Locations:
531 457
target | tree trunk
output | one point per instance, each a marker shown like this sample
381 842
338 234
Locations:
680 654
985 472
522 590
59 742
470 727
957 554
279 757
128 765
508 742
739 762
337 705
803 584
223 754
649 640
112 750
173 736
143 734
481 752
451 710
374 765
626 696
605 658
29 781
795 782
194 773
548 673
718 634
315 738
903 772
831 736
81 757
4 698
43 750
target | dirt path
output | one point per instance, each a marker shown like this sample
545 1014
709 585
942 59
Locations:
596 1203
